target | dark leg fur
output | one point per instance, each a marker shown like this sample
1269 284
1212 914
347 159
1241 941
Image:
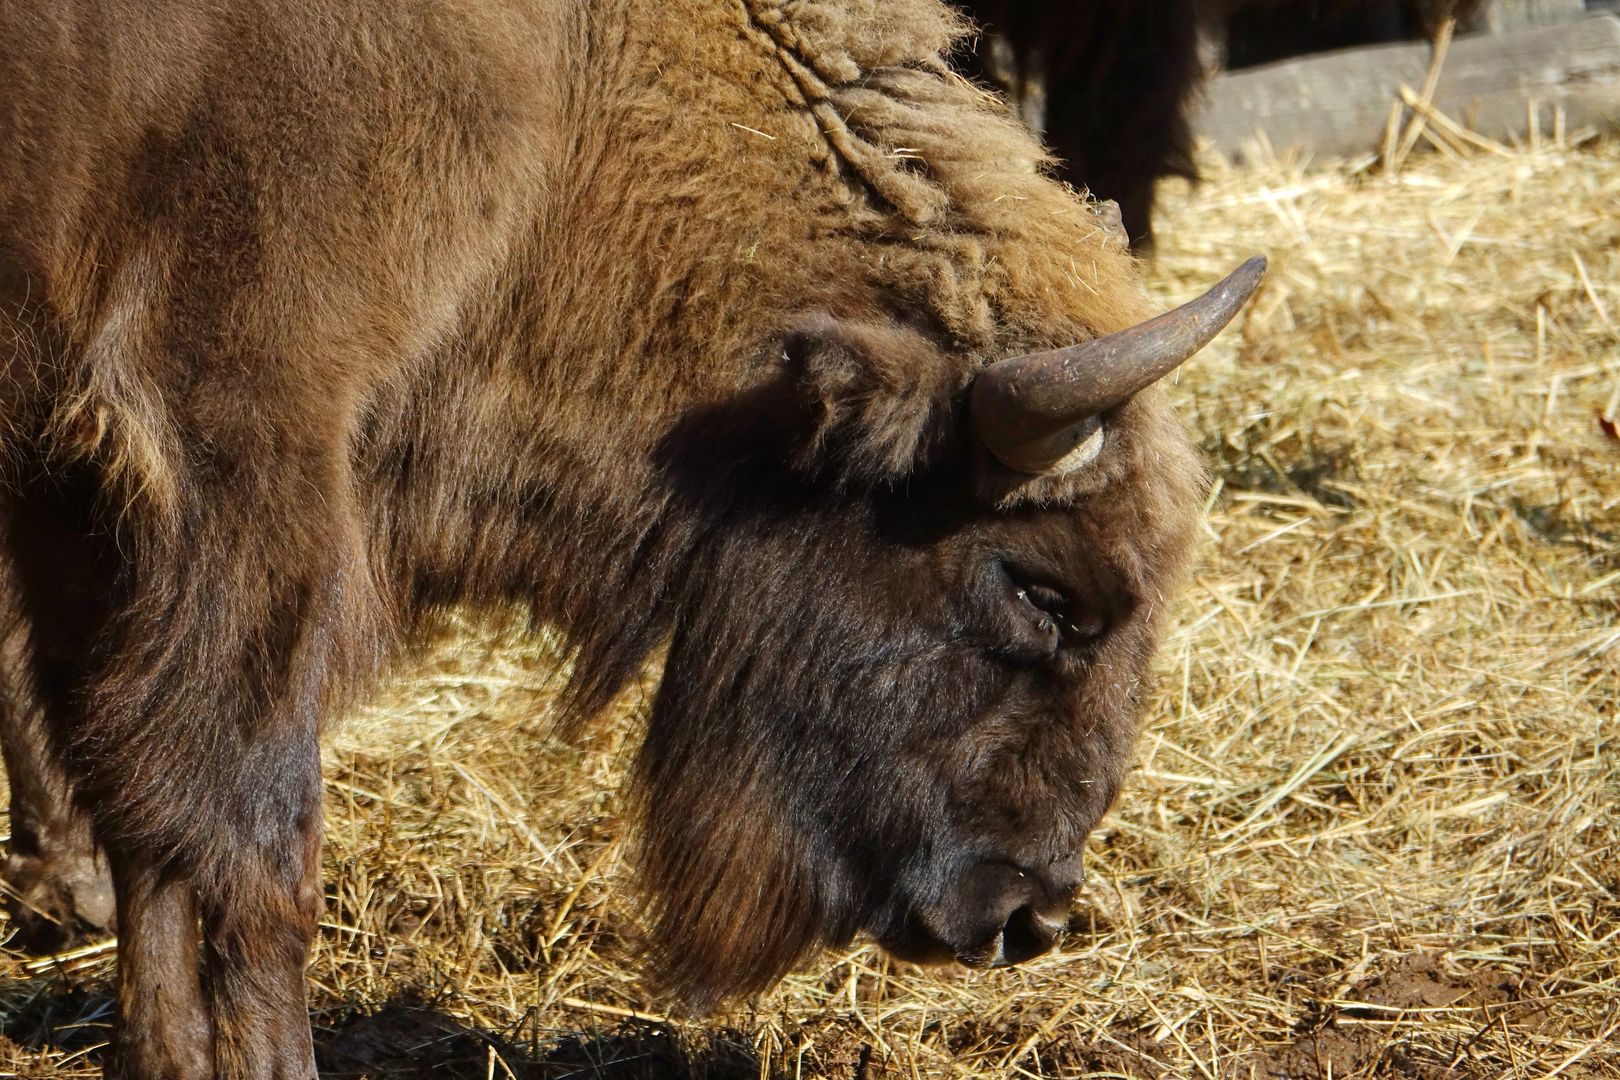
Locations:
258 924
238 815
1119 81
164 1029
256 887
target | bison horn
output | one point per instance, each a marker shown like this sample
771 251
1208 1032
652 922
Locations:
1039 413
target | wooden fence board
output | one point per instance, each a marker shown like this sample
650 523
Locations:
1339 103
1498 16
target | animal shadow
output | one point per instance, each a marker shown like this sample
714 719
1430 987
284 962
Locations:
409 1039
406 1039
60 1021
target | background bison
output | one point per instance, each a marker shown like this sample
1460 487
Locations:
747 332
1112 86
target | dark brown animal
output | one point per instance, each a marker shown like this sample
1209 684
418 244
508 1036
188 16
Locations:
1112 86
672 323
1247 33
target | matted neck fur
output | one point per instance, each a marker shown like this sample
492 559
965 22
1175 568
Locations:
653 317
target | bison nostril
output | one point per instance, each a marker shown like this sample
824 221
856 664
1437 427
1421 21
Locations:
1049 923
1001 911
1028 934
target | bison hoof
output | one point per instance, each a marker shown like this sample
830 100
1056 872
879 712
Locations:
56 904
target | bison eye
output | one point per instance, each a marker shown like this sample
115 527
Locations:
1053 611
1045 599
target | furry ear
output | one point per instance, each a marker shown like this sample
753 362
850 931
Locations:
881 398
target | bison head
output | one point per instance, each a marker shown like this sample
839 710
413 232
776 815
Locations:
908 657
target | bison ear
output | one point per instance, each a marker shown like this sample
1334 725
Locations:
877 399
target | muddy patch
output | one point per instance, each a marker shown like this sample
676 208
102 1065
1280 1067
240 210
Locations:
1411 1021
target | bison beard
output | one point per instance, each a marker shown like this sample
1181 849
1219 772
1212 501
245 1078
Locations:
671 323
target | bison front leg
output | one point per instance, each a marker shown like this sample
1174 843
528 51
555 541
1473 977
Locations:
198 756
252 881
259 916
164 1029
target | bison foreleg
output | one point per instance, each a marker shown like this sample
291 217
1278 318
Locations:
259 918
165 1029
198 751
236 1009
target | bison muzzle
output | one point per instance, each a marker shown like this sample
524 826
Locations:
740 331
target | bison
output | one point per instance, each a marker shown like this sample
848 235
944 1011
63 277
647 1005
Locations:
744 333
1113 85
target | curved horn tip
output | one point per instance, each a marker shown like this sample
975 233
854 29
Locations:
1030 410
1249 275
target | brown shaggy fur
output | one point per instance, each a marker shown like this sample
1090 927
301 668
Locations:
640 315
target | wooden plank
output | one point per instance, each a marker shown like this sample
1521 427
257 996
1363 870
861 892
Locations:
1339 103
1502 16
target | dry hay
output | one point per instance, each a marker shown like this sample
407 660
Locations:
1374 826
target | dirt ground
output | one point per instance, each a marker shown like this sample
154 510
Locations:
1373 827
